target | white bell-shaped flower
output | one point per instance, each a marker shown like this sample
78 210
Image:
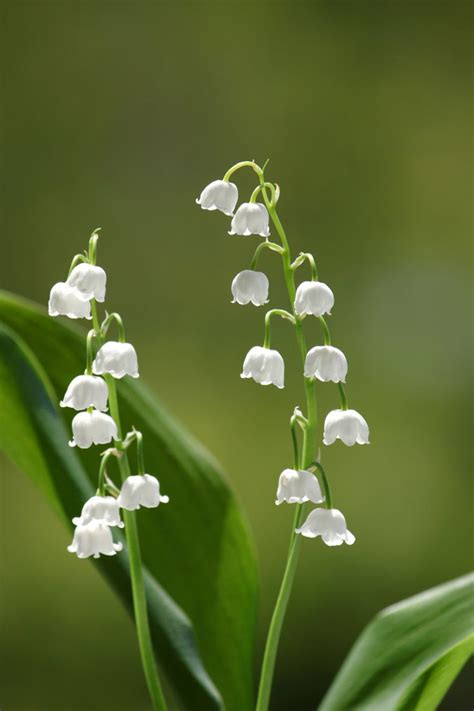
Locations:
89 281
250 219
118 359
93 538
141 490
64 300
313 298
346 425
330 524
104 509
86 391
219 195
296 487
326 363
250 286
90 428
265 366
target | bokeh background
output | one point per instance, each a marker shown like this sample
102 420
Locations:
117 114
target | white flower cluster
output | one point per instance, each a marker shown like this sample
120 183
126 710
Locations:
266 366
88 394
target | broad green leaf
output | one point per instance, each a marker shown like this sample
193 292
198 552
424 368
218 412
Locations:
408 656
431 686
197 548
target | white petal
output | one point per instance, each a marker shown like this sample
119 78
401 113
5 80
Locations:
117 359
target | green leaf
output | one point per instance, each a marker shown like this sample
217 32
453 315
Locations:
408 656
197 550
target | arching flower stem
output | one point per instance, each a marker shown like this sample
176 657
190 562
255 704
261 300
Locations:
274 189
89 351
306 256
105 456
274 312
327 333
77 259
243 164
106 323
264 245
342 392
324 482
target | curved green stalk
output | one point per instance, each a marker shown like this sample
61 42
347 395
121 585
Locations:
133 545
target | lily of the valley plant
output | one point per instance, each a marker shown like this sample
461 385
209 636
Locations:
306 482
93 396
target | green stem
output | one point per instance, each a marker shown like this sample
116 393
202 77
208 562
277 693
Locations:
120 327
307 456
264 245
89 352
324 482
243 164
268 331
301 259
327 334
278 616
342 392
103 470
275 191
93 246
136 569
77 259
140 456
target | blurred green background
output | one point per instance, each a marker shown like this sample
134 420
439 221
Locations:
117 114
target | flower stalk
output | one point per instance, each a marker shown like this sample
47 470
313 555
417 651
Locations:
266 366
88 394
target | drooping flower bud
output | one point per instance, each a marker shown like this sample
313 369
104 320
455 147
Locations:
86 391
141 490
296 487
250 219
64 300
330 524
93 538
90 428
219 195
118 359
346 425
89 281
104 509
326 363
313 298
265 366
250 286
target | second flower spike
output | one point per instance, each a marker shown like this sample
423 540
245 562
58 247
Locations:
265 366
117 359
250 286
